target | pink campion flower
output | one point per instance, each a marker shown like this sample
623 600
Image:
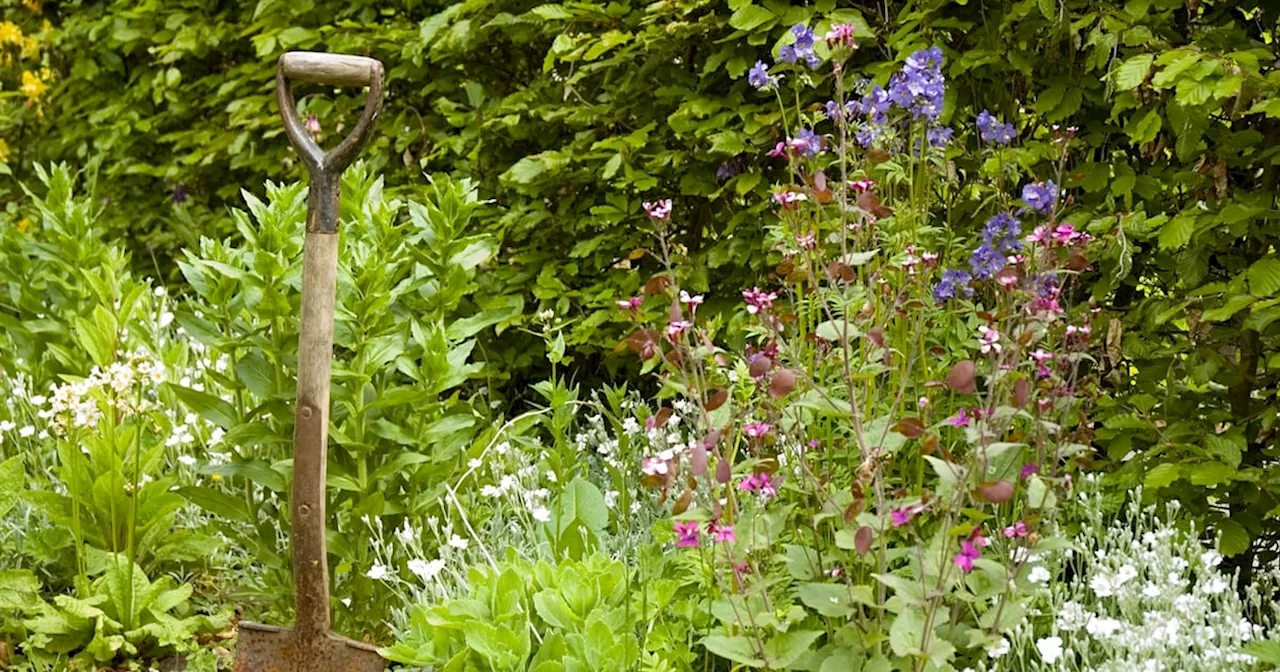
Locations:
964 559
1018 529
909 264
632 303
658 209
835 572
1028 470
1083 330
760 483
1043 359
862 185
929 258
1045 405
721 532
960 419
841 33
778 150
676 328
758 301
900 517
688 533
312 124
806 240
653 466
1039 235
922 403
789 199
990 339
756 430
693 301
741 570
1065 234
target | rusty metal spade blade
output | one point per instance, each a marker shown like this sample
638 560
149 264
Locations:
309 646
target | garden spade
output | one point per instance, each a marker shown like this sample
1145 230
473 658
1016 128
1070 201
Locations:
309 646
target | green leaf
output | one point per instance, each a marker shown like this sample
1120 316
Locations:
1228 308
1177 232
1233 539
1264 277
907 632
750 17
1143 129
1161 475
12 480
1133 72
209 407
739 649
217 502
1267 651
1211 473
580 503
784 649
828 599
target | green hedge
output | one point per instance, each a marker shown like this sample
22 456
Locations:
570 114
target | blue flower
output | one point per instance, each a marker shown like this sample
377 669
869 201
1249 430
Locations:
1040 196
953 281
787 54
801 49
759 76
985 262
919 87
804 37
991 130
940 136
807 143
1002 232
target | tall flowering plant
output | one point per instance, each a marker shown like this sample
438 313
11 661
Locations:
890 418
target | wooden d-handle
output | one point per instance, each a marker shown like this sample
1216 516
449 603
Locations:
332 69
326 167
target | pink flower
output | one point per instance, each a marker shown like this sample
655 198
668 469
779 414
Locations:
721 532
789 199
758 301
1018 529
960 419
741 570
970 550
990 339
761 483
904 515
632 304
688 533
1065 234
694 300
312 124
1083 330
1040 235
756 430
658 209
1028 470
652 466
923 402
806 240
861 185
778 150
929 258
676 328
841 33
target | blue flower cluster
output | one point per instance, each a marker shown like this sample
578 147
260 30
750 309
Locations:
760 78
801 49
1002 232
953 283
807 143
1040 196
991 130
919 86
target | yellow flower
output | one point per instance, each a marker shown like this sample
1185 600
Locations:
32 6
4 151
32 86
10 33
30 48
23 225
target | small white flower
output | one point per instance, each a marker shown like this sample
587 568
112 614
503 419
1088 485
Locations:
38 400
377 572
551 476
1102 627
188 460
502 448
458 542
166 318
540 514
474 463
406 534
426 570
630 426
7 426
998 649
1214 586
1050 649
1211 558
158 291
27 431
44 434
1038 574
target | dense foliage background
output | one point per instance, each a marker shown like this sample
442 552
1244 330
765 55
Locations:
568 115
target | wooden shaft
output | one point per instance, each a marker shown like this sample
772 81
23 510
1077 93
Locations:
311 432
331 69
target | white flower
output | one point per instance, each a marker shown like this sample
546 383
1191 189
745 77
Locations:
999 648
1102 627
610 498
1213 586
540 514
551 476
38 400
426 570
158 291
502 448
490 492
1102 585
1050 649
27 431
7 426
458 542
166 318
1211 558
474 463
216 436
1038 575
377 572
188 460
1072 617
406 535
630 426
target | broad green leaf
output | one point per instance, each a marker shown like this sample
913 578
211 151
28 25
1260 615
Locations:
1161 475
217 502
1228 308
750 17
12 478
1264 277
784 649
208 406
739 649
1132 72
1233 539
1210 473
907 632
828 599
1177 232
1267 651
